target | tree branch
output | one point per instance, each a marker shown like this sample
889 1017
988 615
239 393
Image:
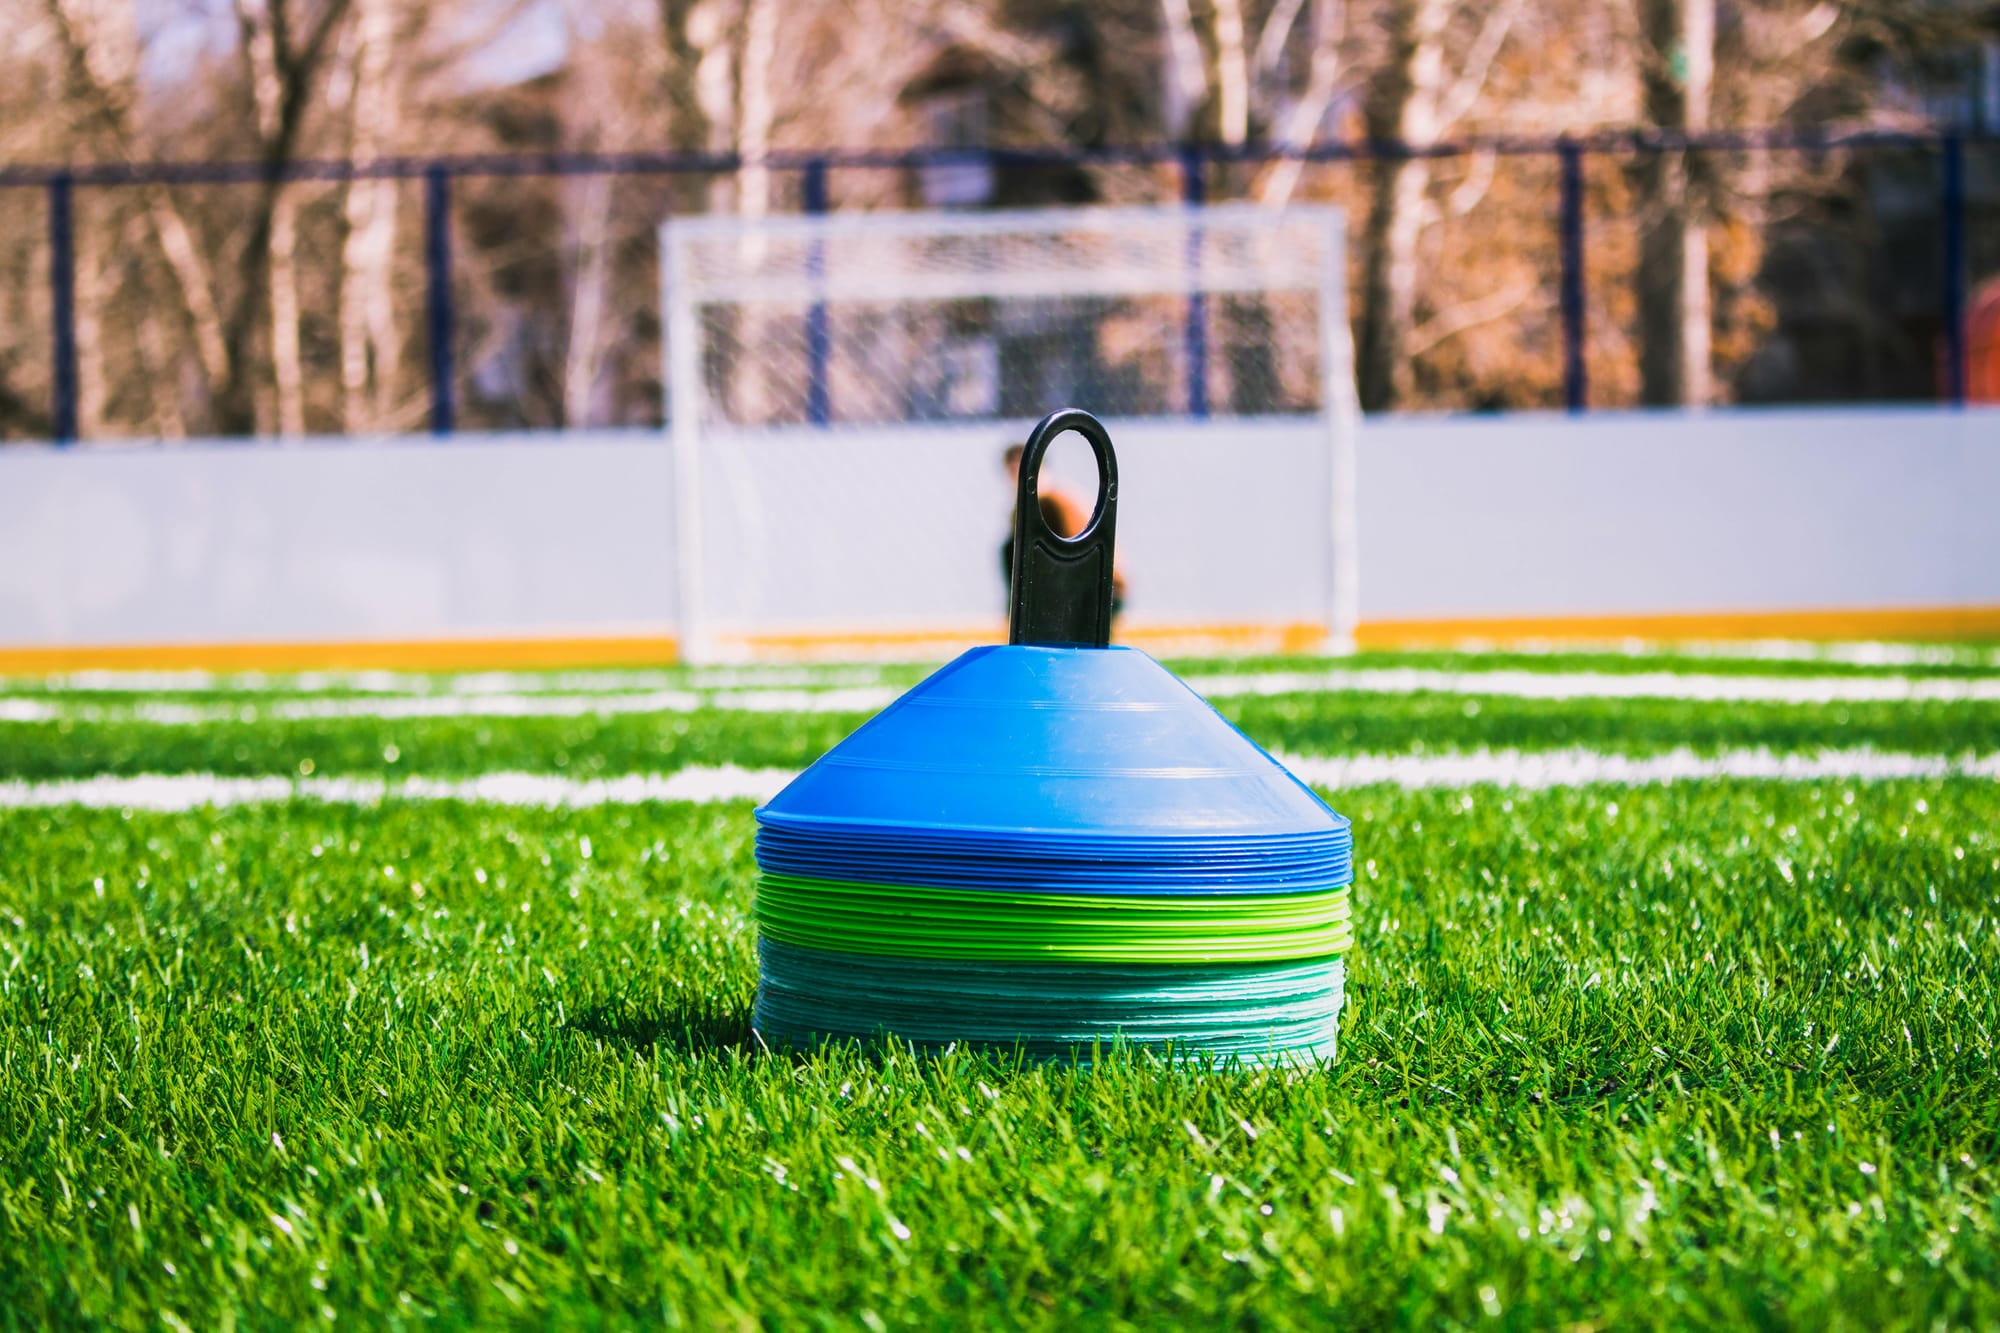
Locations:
1468 315
1304 116
1464 91
1190 74
1271 41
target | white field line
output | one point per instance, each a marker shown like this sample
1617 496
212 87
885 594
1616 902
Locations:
1853 652
1531 770
1540 769
462 682
188 791
851 699
1509 683
1518 684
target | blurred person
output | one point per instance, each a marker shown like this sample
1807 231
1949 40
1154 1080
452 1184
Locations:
1065 517
1982 344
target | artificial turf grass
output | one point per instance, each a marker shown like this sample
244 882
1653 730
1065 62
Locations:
605 746
1724 1052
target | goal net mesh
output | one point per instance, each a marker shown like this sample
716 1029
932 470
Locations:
834 378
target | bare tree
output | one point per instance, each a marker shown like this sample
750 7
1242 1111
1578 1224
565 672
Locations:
1232 73
369 342
1218 87
1296 128
759 104
283 68
1677 68
582 362
102 77
1187 78
1414 106
700 82
93 282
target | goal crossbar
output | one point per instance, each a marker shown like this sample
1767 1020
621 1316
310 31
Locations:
1030 253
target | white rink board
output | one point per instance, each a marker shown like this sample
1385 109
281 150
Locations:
1614 514
334 540
900 527
1643 513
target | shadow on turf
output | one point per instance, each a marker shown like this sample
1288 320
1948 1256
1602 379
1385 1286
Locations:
696 1032
688 1030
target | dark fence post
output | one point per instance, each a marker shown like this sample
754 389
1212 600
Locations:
1953 203
437 264
1575 385
1194 192
819 403
62 309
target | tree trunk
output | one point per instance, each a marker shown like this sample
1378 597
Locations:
1406 109
752 388
368 347
157 360
1187 82
278 266
106 84
196 288
160 359
580 364
701 82
1674 303
369 342
280 71
1303 119
1232 73
92 294
760 41
287 368
702 93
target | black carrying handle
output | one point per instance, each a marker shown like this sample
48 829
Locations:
1063 585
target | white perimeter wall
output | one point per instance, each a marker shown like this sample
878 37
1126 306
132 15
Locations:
334 541
1658 513
571 536
900 527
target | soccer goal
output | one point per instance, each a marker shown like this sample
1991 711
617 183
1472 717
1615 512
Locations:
841 388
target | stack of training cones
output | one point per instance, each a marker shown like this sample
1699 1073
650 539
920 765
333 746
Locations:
1054 846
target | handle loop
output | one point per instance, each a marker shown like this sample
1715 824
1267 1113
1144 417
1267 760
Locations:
1063 585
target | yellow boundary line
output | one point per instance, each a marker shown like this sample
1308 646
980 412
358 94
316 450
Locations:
1975 622
399 654
1943 622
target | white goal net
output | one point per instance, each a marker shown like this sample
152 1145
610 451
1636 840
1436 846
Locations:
840 390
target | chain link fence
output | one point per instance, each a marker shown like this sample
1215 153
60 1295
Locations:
521 293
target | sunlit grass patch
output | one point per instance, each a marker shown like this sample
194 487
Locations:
1695 1054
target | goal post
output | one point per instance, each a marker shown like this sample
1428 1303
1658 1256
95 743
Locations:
840 388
